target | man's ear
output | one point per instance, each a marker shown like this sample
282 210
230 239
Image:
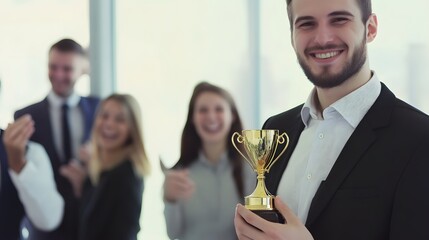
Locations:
371 28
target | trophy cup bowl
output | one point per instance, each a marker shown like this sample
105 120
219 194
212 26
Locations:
261 147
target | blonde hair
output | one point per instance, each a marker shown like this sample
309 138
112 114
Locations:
134 148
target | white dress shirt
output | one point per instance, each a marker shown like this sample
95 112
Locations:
37 191
76 122
321 142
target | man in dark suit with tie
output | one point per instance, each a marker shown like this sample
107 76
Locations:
358 158
63 121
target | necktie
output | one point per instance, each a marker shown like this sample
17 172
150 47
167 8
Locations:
67 145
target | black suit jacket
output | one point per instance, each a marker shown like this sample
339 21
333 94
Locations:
44 135
378 188
111 209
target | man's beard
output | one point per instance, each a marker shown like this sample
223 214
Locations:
327 80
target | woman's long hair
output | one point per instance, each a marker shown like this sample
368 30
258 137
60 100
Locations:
134 147
191 143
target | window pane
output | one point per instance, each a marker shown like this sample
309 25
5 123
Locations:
283 85
399 53
164 49
28 29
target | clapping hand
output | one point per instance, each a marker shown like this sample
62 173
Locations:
76 171
16 137
178 185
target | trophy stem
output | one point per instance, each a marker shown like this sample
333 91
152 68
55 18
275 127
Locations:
260 199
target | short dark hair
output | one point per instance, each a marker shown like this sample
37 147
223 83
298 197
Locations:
364 5
68 45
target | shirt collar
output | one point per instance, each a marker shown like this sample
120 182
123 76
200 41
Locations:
223 161
309 109
351 107
57 101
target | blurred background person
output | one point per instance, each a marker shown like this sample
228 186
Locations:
210 177
63 121
112 195
27 185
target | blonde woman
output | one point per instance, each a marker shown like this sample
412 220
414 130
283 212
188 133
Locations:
112 195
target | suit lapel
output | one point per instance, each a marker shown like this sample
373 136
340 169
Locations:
357 145
46 133
87 118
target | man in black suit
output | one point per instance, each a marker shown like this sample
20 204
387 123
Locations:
358 159
63 121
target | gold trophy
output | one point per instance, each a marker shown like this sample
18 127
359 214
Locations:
261 146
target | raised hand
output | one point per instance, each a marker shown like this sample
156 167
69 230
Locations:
15 139
85 153
178 185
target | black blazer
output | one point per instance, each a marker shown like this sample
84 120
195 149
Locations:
43 135
11 208
111 209
378 188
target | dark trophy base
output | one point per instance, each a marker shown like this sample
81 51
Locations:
270 215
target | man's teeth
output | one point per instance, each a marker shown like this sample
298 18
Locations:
326 55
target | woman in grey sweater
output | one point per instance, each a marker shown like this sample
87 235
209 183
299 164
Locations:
210 178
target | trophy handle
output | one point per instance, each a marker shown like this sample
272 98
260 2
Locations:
240 139
280 140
